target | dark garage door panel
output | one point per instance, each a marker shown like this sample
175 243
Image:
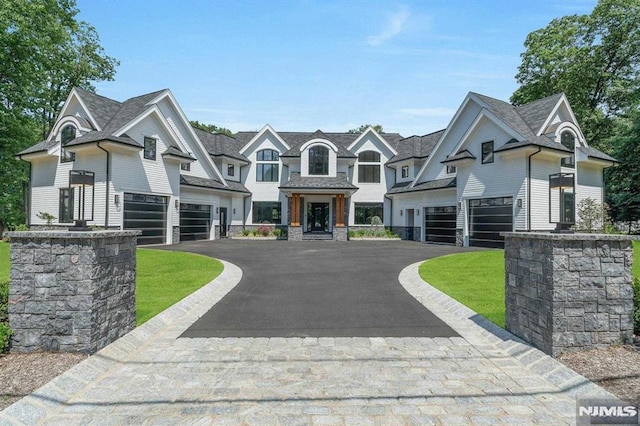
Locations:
488 217
147 213
440 224
195 221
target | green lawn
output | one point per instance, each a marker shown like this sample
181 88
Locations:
477 279
163 277
473 279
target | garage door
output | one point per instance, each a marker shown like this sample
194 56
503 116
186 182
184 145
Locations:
487 218
195 221
147 213
440 224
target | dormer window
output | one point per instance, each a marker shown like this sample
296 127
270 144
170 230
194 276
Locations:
67 134
568 140
369 167
319 160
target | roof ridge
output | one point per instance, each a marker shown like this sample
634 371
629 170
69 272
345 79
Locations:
95 94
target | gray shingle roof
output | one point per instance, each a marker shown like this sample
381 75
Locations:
424 186
594 153
318 182
130 109
509 115
219 144
415 146
538 141
176 152
104 136
101 108
39 147
213 184
462 155
536 113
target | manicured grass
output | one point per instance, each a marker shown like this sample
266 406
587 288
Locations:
165 277
473 279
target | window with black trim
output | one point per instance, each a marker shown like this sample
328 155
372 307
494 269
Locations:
67 134
267 212
267 167
319 160
185 166
65 210
231 170
487 152
369 167
568 140
451 169
149 148
365 212
405 171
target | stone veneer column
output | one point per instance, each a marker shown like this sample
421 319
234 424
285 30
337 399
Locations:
340 233
294 233
568 291
71 291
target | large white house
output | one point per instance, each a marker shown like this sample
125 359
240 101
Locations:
488 171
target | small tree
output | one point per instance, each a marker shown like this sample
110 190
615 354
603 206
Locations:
47 217
591 217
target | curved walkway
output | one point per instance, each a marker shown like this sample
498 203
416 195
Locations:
151 376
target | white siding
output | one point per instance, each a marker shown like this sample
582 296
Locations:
589 183
540 171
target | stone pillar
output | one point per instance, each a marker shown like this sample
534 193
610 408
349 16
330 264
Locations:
176 235
294 233
340 233
568 291
71 291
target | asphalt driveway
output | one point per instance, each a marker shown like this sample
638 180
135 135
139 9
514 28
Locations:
318 289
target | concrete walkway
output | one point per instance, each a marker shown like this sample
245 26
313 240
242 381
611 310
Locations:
151 376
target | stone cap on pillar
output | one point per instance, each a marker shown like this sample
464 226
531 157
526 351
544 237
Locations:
73 234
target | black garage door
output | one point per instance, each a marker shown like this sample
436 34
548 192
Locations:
147 213
195 221
440 224
487 218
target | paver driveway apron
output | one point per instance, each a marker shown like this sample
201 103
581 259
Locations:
319 289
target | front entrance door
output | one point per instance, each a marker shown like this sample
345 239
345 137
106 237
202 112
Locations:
318 217
223 222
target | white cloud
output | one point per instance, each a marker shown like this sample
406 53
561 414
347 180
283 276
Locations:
429 112
394 26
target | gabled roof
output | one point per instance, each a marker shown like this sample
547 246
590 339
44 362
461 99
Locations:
415 146
536 113
175 152
508 114
319 182
213 184
103 136
599 155
423 186
101 109
537 141
130 109
462 155
219 144
39 147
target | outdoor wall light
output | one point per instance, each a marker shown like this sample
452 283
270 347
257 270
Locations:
217 210
401 212
459 205
417 212
234 211
116 199
519 202
177 203
82 179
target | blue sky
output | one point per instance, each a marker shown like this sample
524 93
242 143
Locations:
329 65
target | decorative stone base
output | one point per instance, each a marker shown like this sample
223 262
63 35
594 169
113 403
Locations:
459 237
295 233
71 291
176 235
568 291
340 233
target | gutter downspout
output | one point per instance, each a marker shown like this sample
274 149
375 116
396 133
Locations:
529 188
391 208
106 211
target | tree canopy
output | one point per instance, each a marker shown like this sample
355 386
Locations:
211 128
377 127
44 52
594 59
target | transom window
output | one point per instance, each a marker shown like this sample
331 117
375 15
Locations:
319 160
365 212
268 167
369 167
149 148
568 140
67 134
267 212
487 152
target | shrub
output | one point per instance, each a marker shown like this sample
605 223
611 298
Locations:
352 233
254 232
5 331
47 217
5 335
246 232
636 305
361 232
264 230
277 232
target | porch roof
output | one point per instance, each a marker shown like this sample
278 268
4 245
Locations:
338 184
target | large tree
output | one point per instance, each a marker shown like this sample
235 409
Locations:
211 128
377 127
594 59
44 52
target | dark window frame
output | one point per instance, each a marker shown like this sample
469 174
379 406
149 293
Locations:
185 166
231 170
405 171
267 166
369 167
260 212
150 148
487 152
451 169
569 144
364 211
267 155
318 162
65 137
65 205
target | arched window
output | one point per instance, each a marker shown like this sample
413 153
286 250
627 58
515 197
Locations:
369 167
568 140
319 160
67 134
267 166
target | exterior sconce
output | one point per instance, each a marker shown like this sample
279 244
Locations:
459 205
417 212
562 190
116 199
177 204
217 210
234 210
82 179
519 202
400 212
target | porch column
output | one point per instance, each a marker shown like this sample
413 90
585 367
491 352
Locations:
340 210
295 210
